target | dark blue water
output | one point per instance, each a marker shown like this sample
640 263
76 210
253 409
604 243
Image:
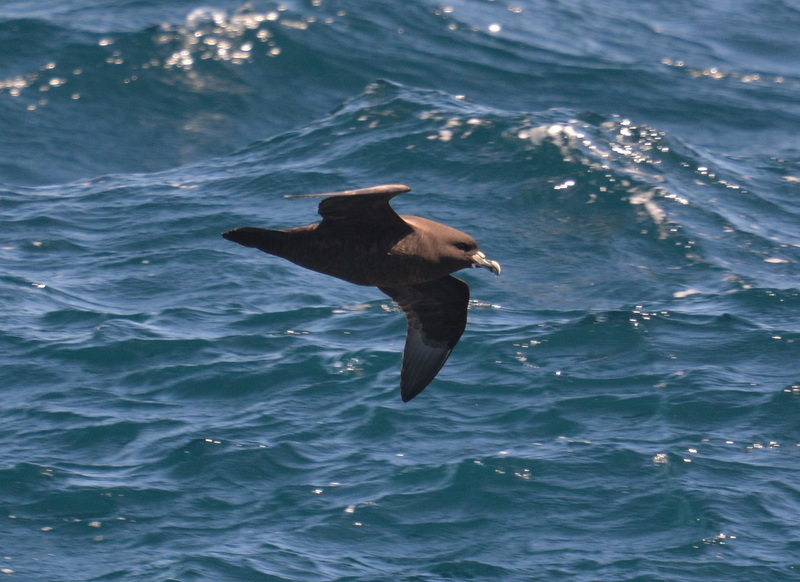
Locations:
624 404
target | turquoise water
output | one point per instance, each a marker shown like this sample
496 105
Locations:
625 401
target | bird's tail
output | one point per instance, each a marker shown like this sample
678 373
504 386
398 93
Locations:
263 239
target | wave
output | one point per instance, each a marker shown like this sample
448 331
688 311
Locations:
594 190
164 87
165 389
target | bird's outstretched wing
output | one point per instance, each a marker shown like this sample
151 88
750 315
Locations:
365 205
437 315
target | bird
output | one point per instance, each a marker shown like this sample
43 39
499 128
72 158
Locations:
362 240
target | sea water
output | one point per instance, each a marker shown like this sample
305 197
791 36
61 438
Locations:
624 403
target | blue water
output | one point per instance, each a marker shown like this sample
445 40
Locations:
624 404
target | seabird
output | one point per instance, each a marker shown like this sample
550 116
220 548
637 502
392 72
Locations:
362 240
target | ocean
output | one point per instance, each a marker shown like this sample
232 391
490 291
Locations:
624 404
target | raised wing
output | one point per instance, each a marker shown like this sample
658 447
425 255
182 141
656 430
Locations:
365 205
437 315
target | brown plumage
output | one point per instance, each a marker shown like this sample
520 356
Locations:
361 239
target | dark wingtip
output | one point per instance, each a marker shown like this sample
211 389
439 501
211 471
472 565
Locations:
407 393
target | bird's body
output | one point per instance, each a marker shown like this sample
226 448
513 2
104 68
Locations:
368 256
363 241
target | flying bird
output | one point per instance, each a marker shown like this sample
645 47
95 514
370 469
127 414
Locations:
362 240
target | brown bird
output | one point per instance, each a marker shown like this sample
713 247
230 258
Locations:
362 240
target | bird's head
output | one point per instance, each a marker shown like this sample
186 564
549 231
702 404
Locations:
445 246
467 249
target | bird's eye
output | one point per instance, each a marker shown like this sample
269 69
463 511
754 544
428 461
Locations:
462 246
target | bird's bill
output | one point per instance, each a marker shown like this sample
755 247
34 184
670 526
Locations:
480 260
